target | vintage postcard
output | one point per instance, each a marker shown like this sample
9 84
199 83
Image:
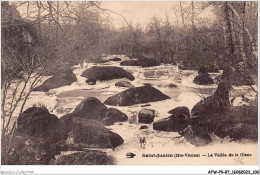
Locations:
129 83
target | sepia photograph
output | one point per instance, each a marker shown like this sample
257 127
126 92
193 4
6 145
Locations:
129 83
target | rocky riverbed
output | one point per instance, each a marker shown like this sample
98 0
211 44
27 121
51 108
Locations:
155 91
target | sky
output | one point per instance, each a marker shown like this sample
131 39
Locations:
139 12
142 11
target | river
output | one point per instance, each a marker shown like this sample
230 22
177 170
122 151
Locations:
63 100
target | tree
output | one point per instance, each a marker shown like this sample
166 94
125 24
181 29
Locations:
233 63
222 92
35 52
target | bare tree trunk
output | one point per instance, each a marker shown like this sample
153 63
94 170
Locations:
39 17
254 49
222 93
159 37
49 20
228 35
193 16
168 39
182 16
235 33
57 20
242 32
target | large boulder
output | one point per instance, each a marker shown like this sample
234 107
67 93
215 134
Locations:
226 124
207 107
143 127
172 85
196 137
148 84
124 84
86 157
203 79
37 122
174 123
63 78
114 59
97 60
178 121
114 115
149 62
106 73
146 116
28 150
64 136
91 81
205 113
92 134
180 110
130 63
136 95
63 127
145 105
90 108
202 106
235 122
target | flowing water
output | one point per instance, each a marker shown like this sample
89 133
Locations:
63 100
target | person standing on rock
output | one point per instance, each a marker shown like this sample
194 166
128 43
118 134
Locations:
142 141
